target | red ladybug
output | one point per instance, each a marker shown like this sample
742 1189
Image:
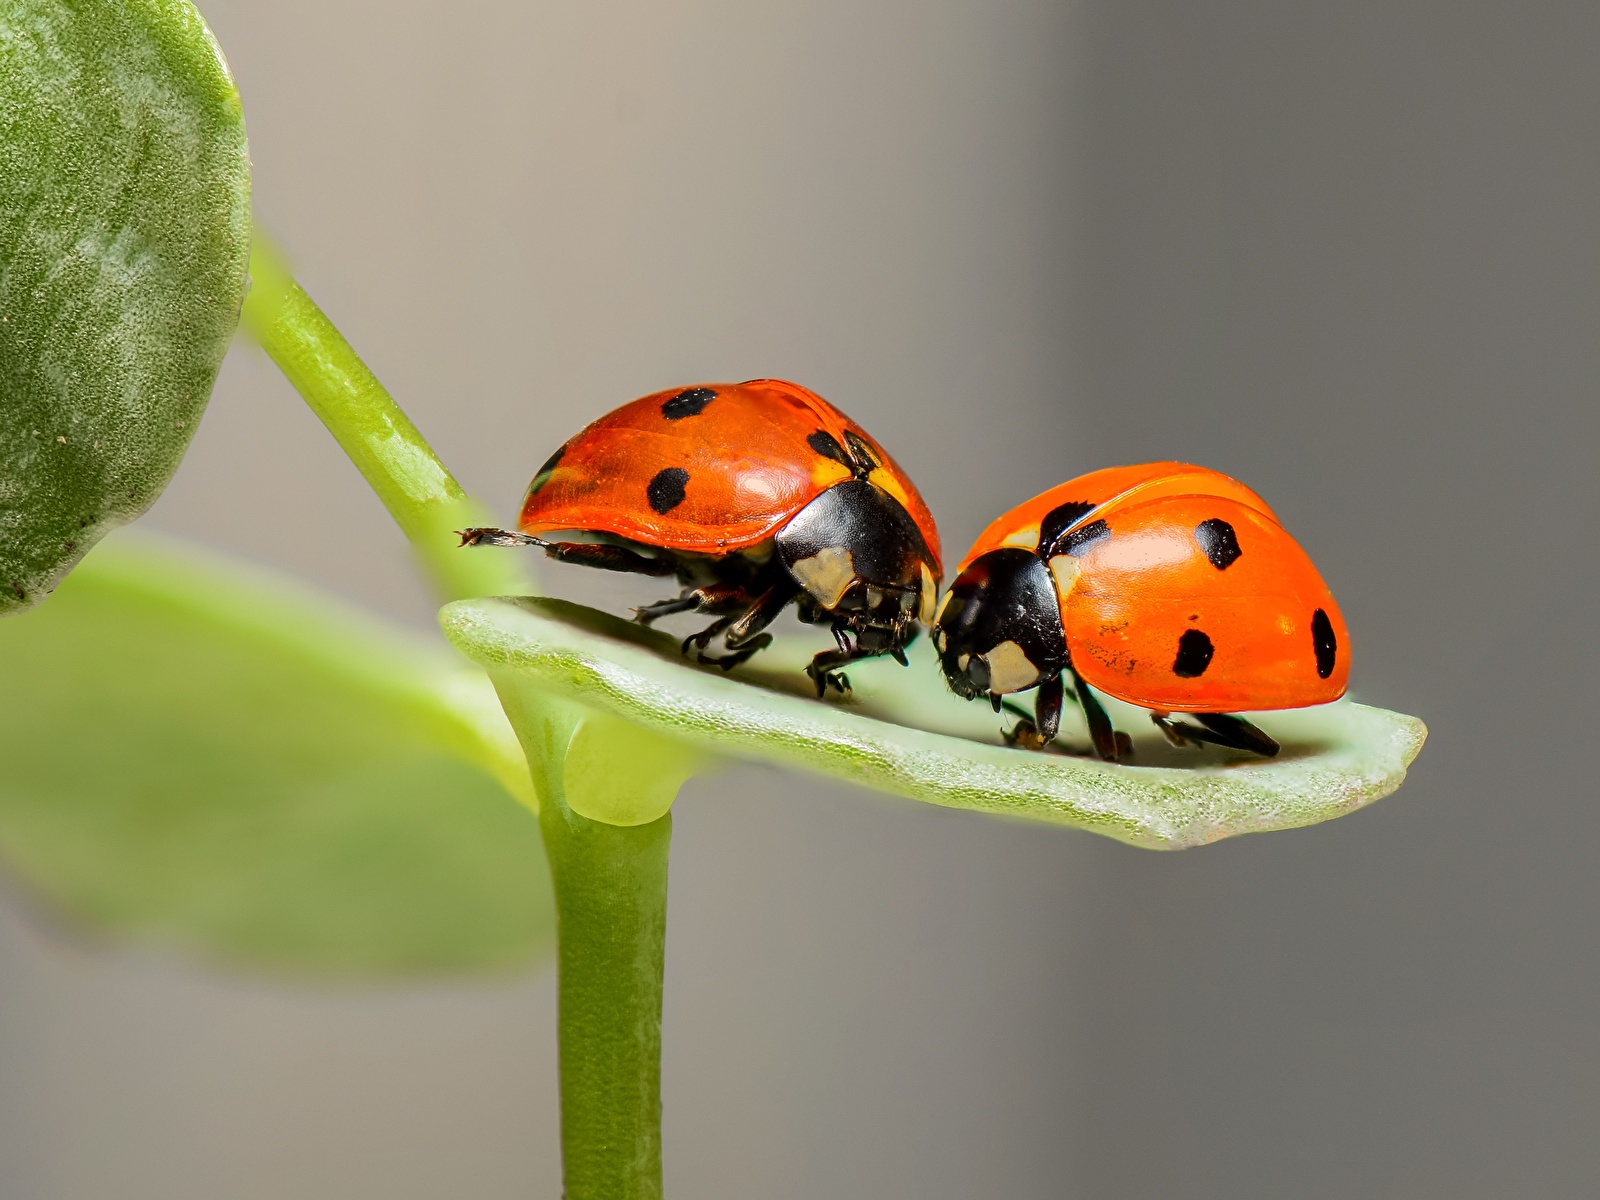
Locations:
1165 585
754 495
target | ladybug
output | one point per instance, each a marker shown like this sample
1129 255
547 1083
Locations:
1169 586
753 495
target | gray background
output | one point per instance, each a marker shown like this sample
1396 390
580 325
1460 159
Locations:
1347 252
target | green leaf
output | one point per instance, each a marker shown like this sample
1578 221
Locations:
124 233
197 756
903 732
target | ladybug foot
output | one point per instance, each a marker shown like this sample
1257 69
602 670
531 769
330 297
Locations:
1025 735
825 679
497 537
1173 731
647 613
729 661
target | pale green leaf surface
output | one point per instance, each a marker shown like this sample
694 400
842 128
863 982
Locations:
903 732
124 234
198 756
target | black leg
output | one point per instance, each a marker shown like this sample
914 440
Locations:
1173 731
721 599
1219 729
647 613
1038 731
1240 734
761 614
822 666
609 558
1101 733
705 637
1047 708
743 632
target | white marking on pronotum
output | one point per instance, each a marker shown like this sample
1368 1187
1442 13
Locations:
1010 669
1066 570
930 593
827 574
1025 538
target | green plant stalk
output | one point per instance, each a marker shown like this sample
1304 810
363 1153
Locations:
393 457
610 880
611 911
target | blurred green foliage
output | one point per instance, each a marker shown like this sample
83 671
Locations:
197 756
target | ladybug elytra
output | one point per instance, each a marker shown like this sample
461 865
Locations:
754 495
1168 586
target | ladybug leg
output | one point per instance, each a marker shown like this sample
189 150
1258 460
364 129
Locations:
743 634
1106 742
748 626
821 670
842 639
821 667
607 558
497 537
1220 729
1174 731
718 599
733 602
1040 730
704 638
665 608
1240 734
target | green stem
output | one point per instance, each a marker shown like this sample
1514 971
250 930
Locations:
611 905
610 880
611 901
420 493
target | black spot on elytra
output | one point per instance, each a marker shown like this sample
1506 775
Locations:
1221 544
1325 643
866 457
543 477
1056 522
825 444
690 402
1194 655
1083 536
666 491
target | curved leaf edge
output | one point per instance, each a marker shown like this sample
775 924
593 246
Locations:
1338 758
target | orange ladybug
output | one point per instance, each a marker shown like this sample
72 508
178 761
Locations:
753 495
1169 586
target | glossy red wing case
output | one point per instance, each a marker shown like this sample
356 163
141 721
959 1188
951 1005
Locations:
709 469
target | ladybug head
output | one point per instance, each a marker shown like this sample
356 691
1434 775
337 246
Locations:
862 560
999 629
